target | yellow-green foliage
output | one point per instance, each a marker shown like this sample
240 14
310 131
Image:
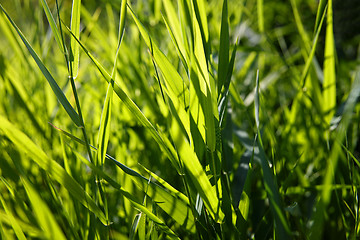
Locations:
178 119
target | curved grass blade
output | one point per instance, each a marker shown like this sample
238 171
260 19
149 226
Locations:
134 226
25 145
55 87
42 213
14 224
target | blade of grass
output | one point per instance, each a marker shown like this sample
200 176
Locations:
224 47
325 196
121 33
320 12
207 92
282 230
125 193
170 200
177 43
53 26
24 98
25 145
191 161
173 80
197 174
104 131
174 25
134 226
27 228
13 222
329 86
163 142
312 51
55 87
75 28
42 213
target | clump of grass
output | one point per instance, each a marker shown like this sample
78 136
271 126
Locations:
177 119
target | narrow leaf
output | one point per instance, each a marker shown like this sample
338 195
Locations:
224 47
14 224
42 213
75 28
25 145
55 87
52 23
329 86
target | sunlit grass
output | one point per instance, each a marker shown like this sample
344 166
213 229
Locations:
177 119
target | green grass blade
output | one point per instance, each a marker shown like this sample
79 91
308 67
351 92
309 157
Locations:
134 226
329 86
257 94
27 228
42 213
52 23
200 11
174 25
197 174
164 143
341 131
75 28
320 12
282 230
160 223
14 224
173 80
187 154
205 90
55 87
304 36
224 48
25 145
104 131
121 33
170 200
312 52
25 99
223 97
177 43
